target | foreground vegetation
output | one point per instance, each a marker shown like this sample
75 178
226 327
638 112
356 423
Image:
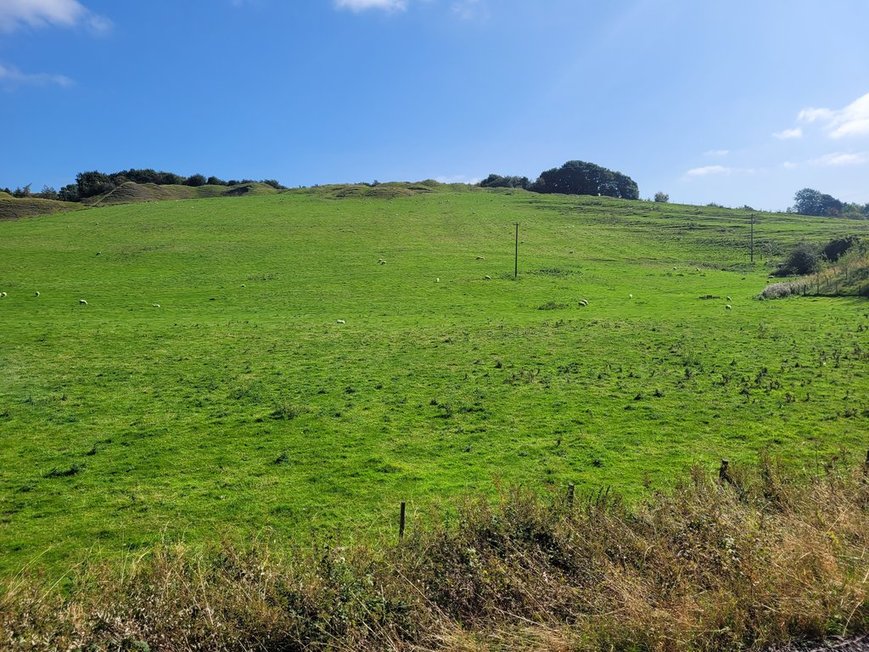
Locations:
743 562
207 389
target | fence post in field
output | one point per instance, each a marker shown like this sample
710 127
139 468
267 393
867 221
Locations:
571 489
401 521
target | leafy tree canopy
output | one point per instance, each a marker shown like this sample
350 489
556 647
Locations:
583 178
811 202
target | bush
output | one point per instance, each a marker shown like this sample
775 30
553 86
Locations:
662 197
804 259
838 247
196 180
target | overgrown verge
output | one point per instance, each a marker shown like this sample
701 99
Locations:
739 562
846 272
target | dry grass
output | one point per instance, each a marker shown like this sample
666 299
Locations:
766 559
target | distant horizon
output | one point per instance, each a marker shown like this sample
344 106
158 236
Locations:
733 105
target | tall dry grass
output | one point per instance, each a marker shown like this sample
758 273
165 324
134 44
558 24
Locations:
768 558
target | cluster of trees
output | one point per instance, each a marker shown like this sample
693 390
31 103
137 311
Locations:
812 202
572 178
90 184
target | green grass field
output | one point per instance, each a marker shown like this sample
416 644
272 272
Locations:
240 407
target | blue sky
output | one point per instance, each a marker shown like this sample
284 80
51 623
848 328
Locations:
735 102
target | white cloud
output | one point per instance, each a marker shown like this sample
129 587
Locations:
469 9
11 77
15 14
853 120
362 5
838 159
458 178
789 165
789 134
707 170
716 153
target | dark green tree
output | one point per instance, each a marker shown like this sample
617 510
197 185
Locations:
811 202
583 178
92 183
196 180
497 181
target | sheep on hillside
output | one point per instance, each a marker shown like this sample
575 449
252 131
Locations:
728 307
340 321
583 302
82 302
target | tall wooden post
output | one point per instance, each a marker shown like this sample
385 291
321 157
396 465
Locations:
516 255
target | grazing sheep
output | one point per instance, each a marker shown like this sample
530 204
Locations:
583 302
729 299
2 295
630 296
438 279
380 261
487 277
480 258
36 294
82 302
728 307
340 321
155 305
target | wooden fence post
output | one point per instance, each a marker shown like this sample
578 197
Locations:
401 521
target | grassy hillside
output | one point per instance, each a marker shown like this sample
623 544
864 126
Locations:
12 208
208 389
128 193
131 192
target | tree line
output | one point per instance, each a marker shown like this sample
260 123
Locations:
812 202
90 184
572 178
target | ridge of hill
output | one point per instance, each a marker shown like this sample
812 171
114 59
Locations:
12 208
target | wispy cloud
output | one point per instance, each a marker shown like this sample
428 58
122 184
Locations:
15 14
708 170
789 134
838 159
716 153
470 9
362 5
11 77
852 120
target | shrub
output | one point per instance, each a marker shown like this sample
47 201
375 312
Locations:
804 259
838 247
196 180
662 197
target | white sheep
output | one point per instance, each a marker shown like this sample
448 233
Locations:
487 277
728 307
2 295
438 279
729 299
155 305
380 261
36 294
480 258
340 321
82 302
583 302
630 296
